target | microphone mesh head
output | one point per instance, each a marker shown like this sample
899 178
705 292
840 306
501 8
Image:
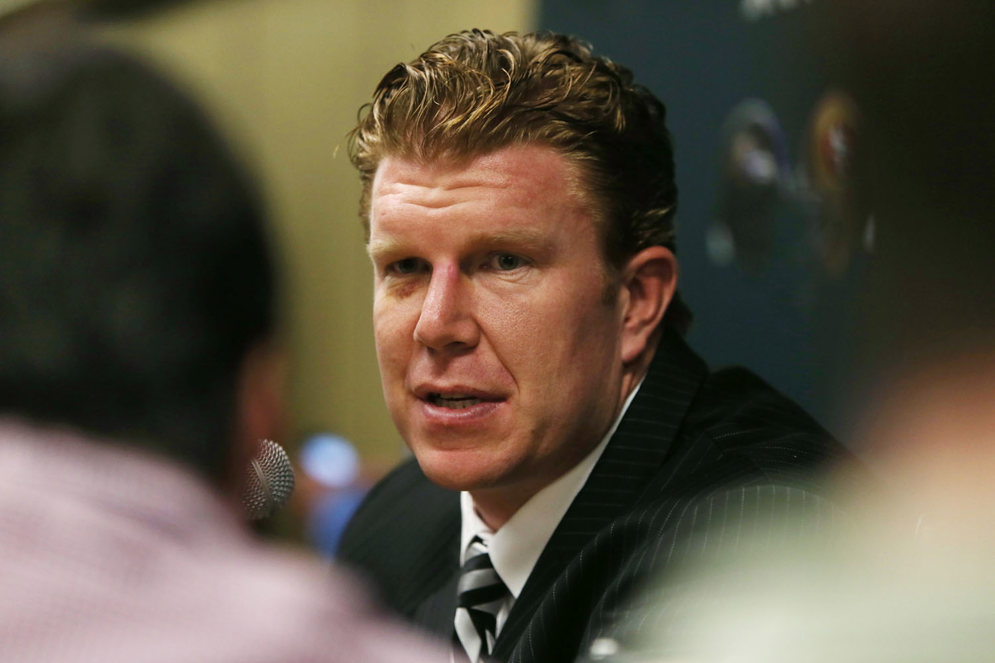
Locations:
269 481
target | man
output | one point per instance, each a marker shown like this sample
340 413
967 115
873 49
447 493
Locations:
519 194
138 373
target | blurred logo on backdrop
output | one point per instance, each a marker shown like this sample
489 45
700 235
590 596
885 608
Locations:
754 178
758 184
843 227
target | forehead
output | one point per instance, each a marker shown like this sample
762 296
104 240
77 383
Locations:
523 176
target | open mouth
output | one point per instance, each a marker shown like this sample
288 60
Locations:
453 401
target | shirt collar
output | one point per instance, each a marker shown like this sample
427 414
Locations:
515 548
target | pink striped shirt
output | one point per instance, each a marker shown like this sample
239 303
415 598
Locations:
110 555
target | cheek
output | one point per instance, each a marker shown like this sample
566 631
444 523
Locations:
544 340
575 322
517 330
581 353
391 333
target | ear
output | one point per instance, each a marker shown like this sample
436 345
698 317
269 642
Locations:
260 408
649 284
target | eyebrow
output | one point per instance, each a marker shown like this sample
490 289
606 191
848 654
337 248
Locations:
513 236
381 247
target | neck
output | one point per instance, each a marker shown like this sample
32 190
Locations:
496 505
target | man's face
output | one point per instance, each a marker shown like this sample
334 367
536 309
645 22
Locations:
499 354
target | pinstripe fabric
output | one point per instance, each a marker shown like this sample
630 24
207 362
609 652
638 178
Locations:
696 453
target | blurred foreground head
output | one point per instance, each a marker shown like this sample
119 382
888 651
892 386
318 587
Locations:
922 75
909 576
135 278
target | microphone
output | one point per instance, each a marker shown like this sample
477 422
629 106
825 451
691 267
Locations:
269 481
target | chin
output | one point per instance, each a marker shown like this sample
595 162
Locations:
459 469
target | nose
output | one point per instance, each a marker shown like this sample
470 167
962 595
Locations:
446 319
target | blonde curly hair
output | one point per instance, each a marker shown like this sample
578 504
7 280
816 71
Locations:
474 92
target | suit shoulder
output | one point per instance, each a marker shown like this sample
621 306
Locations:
404 496
748 423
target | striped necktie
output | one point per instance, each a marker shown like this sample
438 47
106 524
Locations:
480 595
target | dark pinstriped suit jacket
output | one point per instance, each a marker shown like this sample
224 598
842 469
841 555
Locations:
695 452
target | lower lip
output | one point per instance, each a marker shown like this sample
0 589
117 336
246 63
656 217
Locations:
445 416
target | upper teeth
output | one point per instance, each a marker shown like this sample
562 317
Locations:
455 401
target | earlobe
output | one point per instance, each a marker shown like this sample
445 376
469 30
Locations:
650 284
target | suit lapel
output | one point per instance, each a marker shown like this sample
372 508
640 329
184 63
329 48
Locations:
632 457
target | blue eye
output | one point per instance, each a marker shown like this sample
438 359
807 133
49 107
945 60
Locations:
507 262
405 266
